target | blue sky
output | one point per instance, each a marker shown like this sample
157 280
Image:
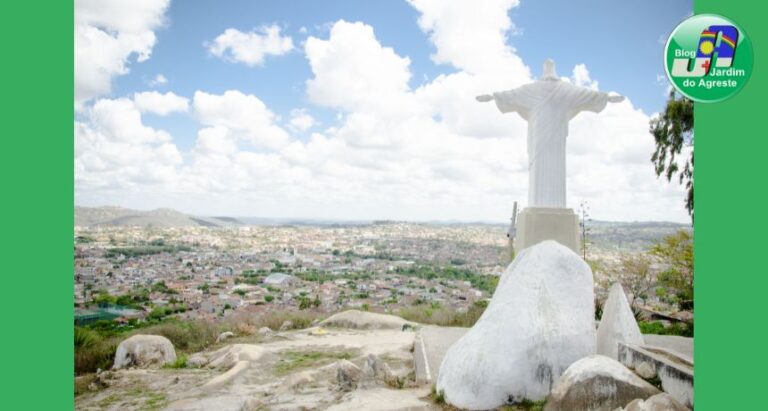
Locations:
619 42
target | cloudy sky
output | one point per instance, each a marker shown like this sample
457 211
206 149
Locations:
360 110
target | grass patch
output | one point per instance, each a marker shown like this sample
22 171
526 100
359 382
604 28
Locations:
437 396
106 402
181 362
154 401
526 405
294 360
442 316
656 327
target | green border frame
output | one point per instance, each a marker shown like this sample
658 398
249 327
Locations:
730 276
37 171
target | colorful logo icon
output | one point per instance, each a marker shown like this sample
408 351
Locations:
708 58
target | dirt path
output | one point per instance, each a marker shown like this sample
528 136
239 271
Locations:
289 371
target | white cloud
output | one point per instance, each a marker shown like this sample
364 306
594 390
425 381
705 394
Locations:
472 35
401 152
581 77
244 115
160 104
158 81
250 48
108 35
114 150
352 69
300 120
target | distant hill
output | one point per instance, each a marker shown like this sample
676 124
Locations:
631 236
161 217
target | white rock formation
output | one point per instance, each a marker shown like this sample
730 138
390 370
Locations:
364 320
659 402
618 324
348 375
144 351
597 383
540 320
225 336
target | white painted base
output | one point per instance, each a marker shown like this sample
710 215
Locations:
536 224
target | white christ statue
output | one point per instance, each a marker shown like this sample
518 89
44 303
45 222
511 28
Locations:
547 105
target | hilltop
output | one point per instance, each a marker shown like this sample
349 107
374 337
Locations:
161 217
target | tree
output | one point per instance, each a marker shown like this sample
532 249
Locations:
637 275
676 251
673 131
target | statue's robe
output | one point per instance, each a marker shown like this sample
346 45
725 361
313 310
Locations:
547 106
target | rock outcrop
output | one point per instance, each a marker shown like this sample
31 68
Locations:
286 326
364 320
348 375
597 383
225 336
617 325
144 351
658 402
540 321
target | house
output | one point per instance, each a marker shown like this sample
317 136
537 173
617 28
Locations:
280 279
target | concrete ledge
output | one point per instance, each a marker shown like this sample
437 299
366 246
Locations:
674 371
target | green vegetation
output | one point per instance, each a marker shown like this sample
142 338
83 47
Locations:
95 345
437 397
481 282
525 405
443 316
160 312
673 130
138 251
294 360
181 362
268 298
677 252
656 327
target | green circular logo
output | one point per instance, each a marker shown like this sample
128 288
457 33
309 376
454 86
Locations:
708 58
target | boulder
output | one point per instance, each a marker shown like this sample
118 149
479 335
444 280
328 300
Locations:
144 351
540 320
597 383
298 380
617 325
348 375
645 370
197 360
286 325
658 402
377 370
364 320
266 332
224 336
227 357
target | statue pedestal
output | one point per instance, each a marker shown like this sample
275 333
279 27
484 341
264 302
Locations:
536 224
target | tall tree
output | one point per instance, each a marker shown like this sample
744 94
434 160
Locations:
673 131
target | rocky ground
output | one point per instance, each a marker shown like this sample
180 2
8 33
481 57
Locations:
304 369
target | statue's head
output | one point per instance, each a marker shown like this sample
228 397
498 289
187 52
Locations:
549 72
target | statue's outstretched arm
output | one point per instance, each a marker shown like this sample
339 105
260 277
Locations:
484 98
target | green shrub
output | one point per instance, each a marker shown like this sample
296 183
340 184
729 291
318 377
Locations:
656 327
181 362
442 316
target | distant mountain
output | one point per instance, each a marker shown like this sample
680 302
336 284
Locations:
161 217
631 236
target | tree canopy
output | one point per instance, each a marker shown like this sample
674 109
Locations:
673 131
